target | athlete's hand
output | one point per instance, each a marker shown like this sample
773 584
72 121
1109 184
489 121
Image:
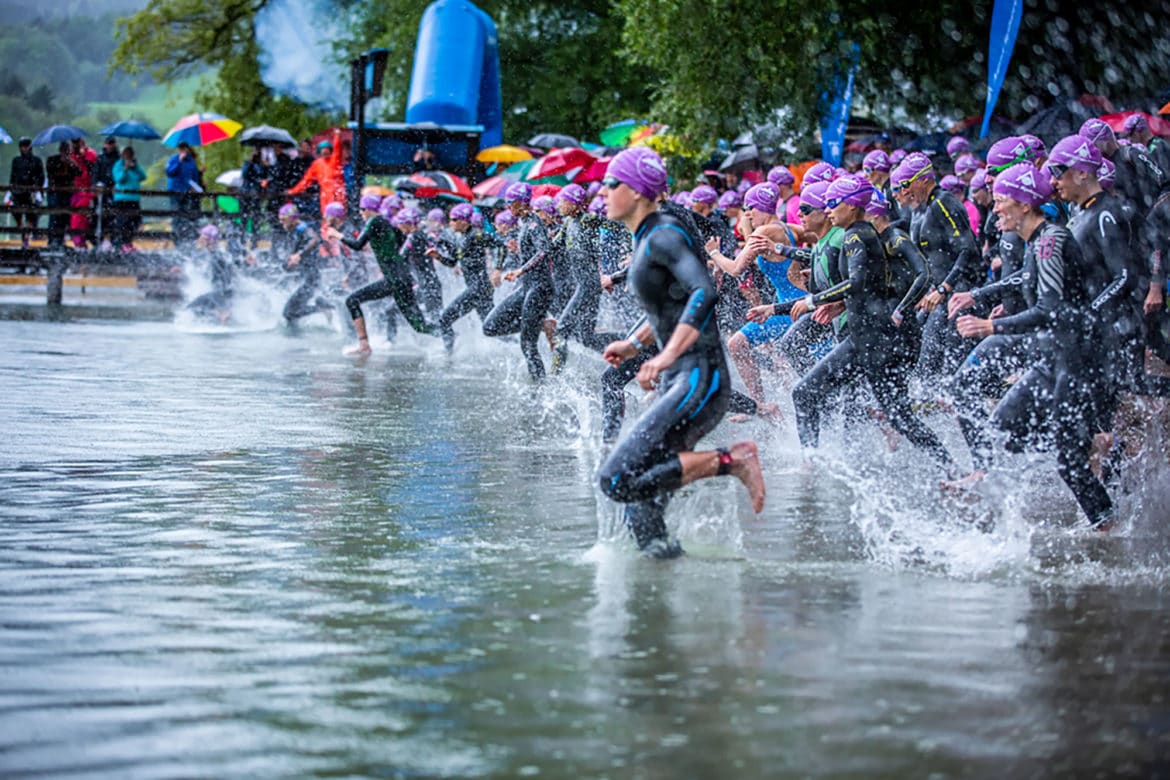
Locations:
930 301
648 373
760 245
1155 299
607 282
512 245
712 245
618 352
333 233
998 311
511 276
495 277
432 252
974 327
824 315
759 314
960 301
293 259
799 309
996 263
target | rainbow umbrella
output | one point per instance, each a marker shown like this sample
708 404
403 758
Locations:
201 129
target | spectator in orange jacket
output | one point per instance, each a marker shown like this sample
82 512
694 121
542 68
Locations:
327 172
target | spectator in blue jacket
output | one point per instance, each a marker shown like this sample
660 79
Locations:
128 178
183 177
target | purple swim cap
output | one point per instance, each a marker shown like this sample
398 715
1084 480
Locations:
518 192
1097 131
370 202
897 156
967 163
476 219
1024 183
407 216
979 181
704 193
289 210
597 205
957 145
822 171
878 206
1135 123
1106 174
877 160
1035 146
504 218
743 186
916 166
682 198
210 232
544 203
462 212
1006 152
762 197
730 199
781 175
437 215
391 203
953 184
1074 151
593 188
814 195
573 193
851 190
334 210
641 169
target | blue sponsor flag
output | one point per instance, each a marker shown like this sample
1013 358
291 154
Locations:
836 117
1005 25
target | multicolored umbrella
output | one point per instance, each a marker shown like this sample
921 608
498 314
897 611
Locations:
566 162
503 154
432 184
201 129
629 131
491 186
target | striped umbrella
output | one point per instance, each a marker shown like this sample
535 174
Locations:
201 129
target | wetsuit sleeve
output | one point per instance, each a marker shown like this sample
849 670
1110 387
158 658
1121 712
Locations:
961 244
362 239
903 247
448 251
1049 289
801 254
997 290
854 253
619 276
671 249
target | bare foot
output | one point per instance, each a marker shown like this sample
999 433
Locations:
745 466
769 412
964 484
550 331
362 348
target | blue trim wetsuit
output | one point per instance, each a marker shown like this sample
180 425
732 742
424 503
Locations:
396 281
874 350
669 276
524 310
469 250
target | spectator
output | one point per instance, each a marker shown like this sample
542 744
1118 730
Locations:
183 177
103 175
60 170
326 172
293 172
424 159
83 202
128 178
28 172
254 178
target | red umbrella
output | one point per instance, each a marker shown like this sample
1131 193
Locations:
545 189
431 184
559 162
488 187
1158 125
595 171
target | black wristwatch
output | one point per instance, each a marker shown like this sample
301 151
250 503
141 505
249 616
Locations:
942 289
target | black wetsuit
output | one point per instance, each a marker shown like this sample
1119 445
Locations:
470 250
732 307
874 350
1137 179
307 299
669 276
944 236
1155 249
219 298
824 260
429 289
1068 368
524 310
579 242
894 211
396 280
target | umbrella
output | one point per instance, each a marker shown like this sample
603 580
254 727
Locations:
546 189
1057 121
567 162
741 159
201 129
1158 125
503 154
489 187
746 138
625 132
263 135
5 138
58 133
130 129
491 202
593 172
233 178
432 184
552 140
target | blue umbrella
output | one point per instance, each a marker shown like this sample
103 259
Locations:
5 138
58 133
131 129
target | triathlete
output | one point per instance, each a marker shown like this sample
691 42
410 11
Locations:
469 248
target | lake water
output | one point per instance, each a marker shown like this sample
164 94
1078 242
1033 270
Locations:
243 555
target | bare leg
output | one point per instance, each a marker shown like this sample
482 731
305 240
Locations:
745 363
363 345
745 466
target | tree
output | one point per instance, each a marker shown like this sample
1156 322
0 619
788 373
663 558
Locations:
41 99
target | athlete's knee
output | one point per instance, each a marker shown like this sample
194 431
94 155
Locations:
354 306
738 343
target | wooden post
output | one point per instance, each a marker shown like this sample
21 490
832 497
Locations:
55 281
